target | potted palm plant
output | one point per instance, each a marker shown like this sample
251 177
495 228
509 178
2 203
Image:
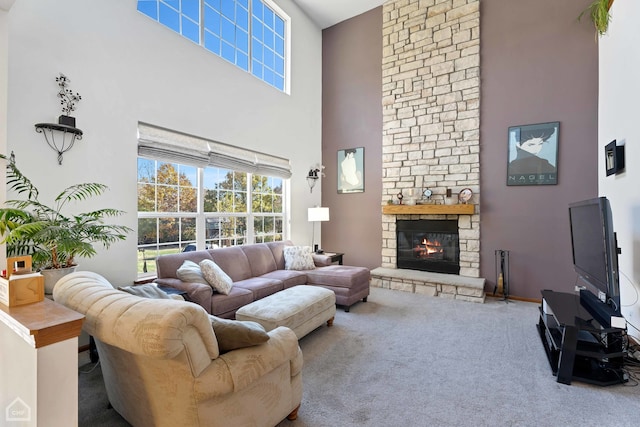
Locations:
53 238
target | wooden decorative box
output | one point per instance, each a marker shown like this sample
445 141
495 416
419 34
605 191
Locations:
21 286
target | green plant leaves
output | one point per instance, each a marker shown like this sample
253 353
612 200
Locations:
598 11
52 238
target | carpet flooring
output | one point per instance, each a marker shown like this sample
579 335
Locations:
403 359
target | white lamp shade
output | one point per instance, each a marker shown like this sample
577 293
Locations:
318 214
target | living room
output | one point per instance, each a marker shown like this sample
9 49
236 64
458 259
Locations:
92 55
537 63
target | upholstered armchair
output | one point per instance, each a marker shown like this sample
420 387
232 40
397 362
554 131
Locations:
162 365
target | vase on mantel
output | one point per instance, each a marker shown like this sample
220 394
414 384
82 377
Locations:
67 120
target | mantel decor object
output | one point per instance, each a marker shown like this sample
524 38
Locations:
465 195
62 135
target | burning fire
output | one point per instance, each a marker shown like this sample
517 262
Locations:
432 247
429 249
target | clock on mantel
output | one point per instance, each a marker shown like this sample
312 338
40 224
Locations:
459 209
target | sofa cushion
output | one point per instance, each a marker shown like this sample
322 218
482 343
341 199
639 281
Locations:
289 278
226 305
146 291
233 334
215 276
260 259
260 286
233 261
298 258
190 272
277 249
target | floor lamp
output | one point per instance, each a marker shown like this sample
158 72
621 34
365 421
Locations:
315 215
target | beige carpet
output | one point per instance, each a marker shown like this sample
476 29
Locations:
411 360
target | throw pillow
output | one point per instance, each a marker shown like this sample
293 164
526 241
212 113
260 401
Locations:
146 291
233 334
298 258
216 277
190 272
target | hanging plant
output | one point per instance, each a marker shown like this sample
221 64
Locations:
598 10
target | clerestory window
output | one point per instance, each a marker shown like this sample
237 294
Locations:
252 34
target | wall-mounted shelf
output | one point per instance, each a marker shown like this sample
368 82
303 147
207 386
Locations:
62 144
458 209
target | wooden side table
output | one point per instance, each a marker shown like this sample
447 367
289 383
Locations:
335 256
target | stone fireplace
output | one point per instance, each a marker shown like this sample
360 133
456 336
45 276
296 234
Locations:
431 117
431 129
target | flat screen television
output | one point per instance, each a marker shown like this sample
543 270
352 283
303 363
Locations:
595 250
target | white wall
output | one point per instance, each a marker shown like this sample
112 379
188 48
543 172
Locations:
128 68
4 70
619 91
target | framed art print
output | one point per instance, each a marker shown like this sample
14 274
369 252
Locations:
533 154
351 170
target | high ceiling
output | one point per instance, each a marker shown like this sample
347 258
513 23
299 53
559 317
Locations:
326 13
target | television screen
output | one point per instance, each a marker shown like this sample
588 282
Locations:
594 247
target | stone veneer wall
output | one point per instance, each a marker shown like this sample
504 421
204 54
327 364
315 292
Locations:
431 112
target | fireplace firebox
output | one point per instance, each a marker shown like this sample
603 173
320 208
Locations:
428 245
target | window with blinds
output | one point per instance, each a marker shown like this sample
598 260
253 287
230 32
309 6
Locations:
195 193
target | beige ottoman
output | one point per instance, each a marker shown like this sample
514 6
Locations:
301 308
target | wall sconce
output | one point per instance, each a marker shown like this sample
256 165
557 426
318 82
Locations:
314 175
314 215
69 133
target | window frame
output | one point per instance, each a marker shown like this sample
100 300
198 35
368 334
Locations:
200 215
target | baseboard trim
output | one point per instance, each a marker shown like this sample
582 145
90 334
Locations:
515 298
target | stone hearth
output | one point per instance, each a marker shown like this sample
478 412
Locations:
433 284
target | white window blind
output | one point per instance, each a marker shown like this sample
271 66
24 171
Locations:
164 144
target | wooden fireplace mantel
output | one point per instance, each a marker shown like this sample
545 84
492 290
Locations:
458 209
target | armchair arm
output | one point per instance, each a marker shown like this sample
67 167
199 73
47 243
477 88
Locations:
199 293
321 260
237 369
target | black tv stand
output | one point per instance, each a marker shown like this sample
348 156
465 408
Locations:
601 312
577 346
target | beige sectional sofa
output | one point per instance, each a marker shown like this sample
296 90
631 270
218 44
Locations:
258 270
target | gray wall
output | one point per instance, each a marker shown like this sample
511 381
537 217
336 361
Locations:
538 64
352 117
